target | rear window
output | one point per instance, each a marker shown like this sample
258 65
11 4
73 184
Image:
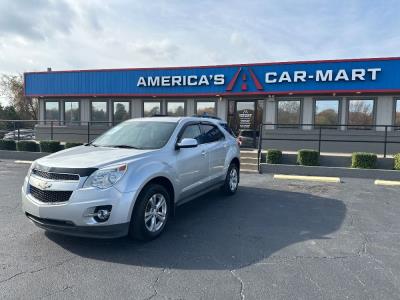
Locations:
227 128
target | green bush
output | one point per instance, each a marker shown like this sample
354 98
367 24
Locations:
307 157
30 146
274 156
363 160
70 145
397 161
50 146
8 145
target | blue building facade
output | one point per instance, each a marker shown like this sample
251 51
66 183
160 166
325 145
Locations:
302 94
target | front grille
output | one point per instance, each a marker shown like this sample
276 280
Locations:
55 176
49 196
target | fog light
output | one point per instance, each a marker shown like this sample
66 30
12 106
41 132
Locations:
99 213
103 214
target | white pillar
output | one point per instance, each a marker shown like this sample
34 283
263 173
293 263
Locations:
222 108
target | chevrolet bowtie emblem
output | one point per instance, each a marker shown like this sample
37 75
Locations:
44 185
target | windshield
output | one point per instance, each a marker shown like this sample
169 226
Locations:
137 135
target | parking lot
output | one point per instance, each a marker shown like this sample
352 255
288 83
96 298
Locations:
272 240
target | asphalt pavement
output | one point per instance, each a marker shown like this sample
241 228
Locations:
274 239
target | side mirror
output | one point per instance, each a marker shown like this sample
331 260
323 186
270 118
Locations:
187 143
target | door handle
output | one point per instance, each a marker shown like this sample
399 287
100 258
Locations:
225 145
203 153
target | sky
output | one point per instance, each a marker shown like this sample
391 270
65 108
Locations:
87 34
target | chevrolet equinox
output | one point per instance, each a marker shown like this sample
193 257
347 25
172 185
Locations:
129 180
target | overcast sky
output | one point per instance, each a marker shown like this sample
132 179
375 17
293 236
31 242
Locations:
74 34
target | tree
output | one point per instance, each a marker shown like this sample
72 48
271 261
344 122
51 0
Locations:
120 113
12 87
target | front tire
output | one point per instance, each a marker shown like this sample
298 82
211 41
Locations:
232 180
151 213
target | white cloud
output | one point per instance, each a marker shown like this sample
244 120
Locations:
75 34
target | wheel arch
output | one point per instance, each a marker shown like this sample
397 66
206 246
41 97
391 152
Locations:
165 182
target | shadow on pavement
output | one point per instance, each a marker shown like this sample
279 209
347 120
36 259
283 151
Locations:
216 232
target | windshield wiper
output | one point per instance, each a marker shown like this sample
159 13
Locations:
124 146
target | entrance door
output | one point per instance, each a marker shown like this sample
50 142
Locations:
245 118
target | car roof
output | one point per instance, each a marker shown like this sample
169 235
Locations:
178 119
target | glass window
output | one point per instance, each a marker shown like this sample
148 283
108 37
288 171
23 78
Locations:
71 111
361 112
206 108
397 112
52 110
326 113
210 134
192 132
121 111
176 109
289 112
99 111
137 135
151 108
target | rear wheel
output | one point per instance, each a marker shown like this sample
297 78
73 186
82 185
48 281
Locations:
151 213
232 180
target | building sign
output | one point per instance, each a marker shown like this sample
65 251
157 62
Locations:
368 75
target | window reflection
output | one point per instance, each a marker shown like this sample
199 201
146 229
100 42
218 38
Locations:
289 113
52 110
99 111
71 112
151 108
176 109
121 111
361 112
326 112
206 107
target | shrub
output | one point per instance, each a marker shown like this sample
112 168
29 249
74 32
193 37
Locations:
396 158
307 157
50 146
274 156
70 145
8 145
30 146
363 160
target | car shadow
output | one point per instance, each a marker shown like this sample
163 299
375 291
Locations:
219 232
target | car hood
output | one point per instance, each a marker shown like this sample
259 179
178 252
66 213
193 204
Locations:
90 157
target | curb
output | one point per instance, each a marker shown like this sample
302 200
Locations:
330 171
387 182
308 178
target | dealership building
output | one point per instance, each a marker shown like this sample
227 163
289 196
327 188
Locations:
289 98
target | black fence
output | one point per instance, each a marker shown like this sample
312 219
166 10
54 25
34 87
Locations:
376 137
53 130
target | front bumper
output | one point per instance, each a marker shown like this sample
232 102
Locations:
70 217
65 227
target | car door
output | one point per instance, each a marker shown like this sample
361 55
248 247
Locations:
216 146
192 163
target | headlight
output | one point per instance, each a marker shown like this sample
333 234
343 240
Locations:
105 178
30 169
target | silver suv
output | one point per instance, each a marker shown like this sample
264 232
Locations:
130 179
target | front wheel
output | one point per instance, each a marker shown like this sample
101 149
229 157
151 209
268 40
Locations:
232 180
151 213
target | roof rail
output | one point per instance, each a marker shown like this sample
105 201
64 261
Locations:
206 116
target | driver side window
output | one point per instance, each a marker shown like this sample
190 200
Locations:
191 132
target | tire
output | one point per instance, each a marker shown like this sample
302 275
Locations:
230 187
146 204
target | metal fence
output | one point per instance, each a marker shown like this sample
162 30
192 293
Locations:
53 130
336 138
